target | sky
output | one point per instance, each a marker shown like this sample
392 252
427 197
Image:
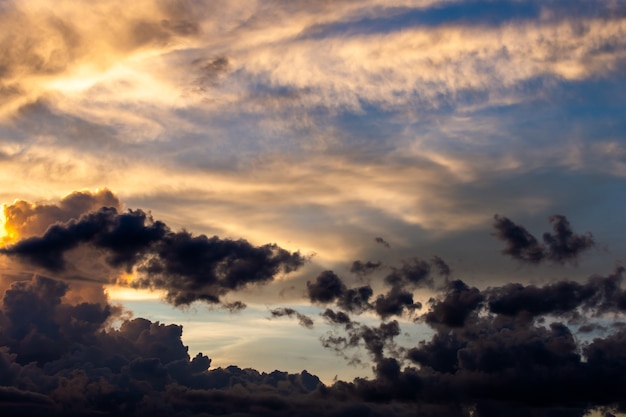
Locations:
403 207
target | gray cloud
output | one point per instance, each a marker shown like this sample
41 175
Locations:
560 246
503 349
190 268
304 320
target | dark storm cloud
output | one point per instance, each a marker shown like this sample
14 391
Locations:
459 303
395 302
382 241
364 268
496 366
303 320
126 237
562 245
599 295
375 340
504 350
194 268
520 244
498 351
328 288
356 299
59 359
235 306
189 268
336 317
413 272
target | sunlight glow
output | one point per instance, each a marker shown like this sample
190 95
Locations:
7 234
121 290
119 293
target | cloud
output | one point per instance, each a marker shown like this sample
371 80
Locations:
364 268
382 242
500 350
496 364
600 295
441 266
503 349
354 105
24 219
317 126
414 273
67 360
459 303
44 48
495 58
375 340
338 317
395 302
328 288
189 268
304 321
560 246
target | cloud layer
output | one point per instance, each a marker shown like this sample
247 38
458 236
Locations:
335 167
510 349
500 350
412 112
189 268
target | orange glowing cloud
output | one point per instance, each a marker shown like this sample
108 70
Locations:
8 234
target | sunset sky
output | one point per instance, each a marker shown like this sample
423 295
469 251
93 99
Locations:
276 143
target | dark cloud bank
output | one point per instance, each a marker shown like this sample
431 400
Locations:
190 268
513 350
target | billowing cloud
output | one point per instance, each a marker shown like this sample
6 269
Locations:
486 362
66 360
395 302
459 303
23 219
560 246
485 348
412 274
328 288
189 268
599 295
